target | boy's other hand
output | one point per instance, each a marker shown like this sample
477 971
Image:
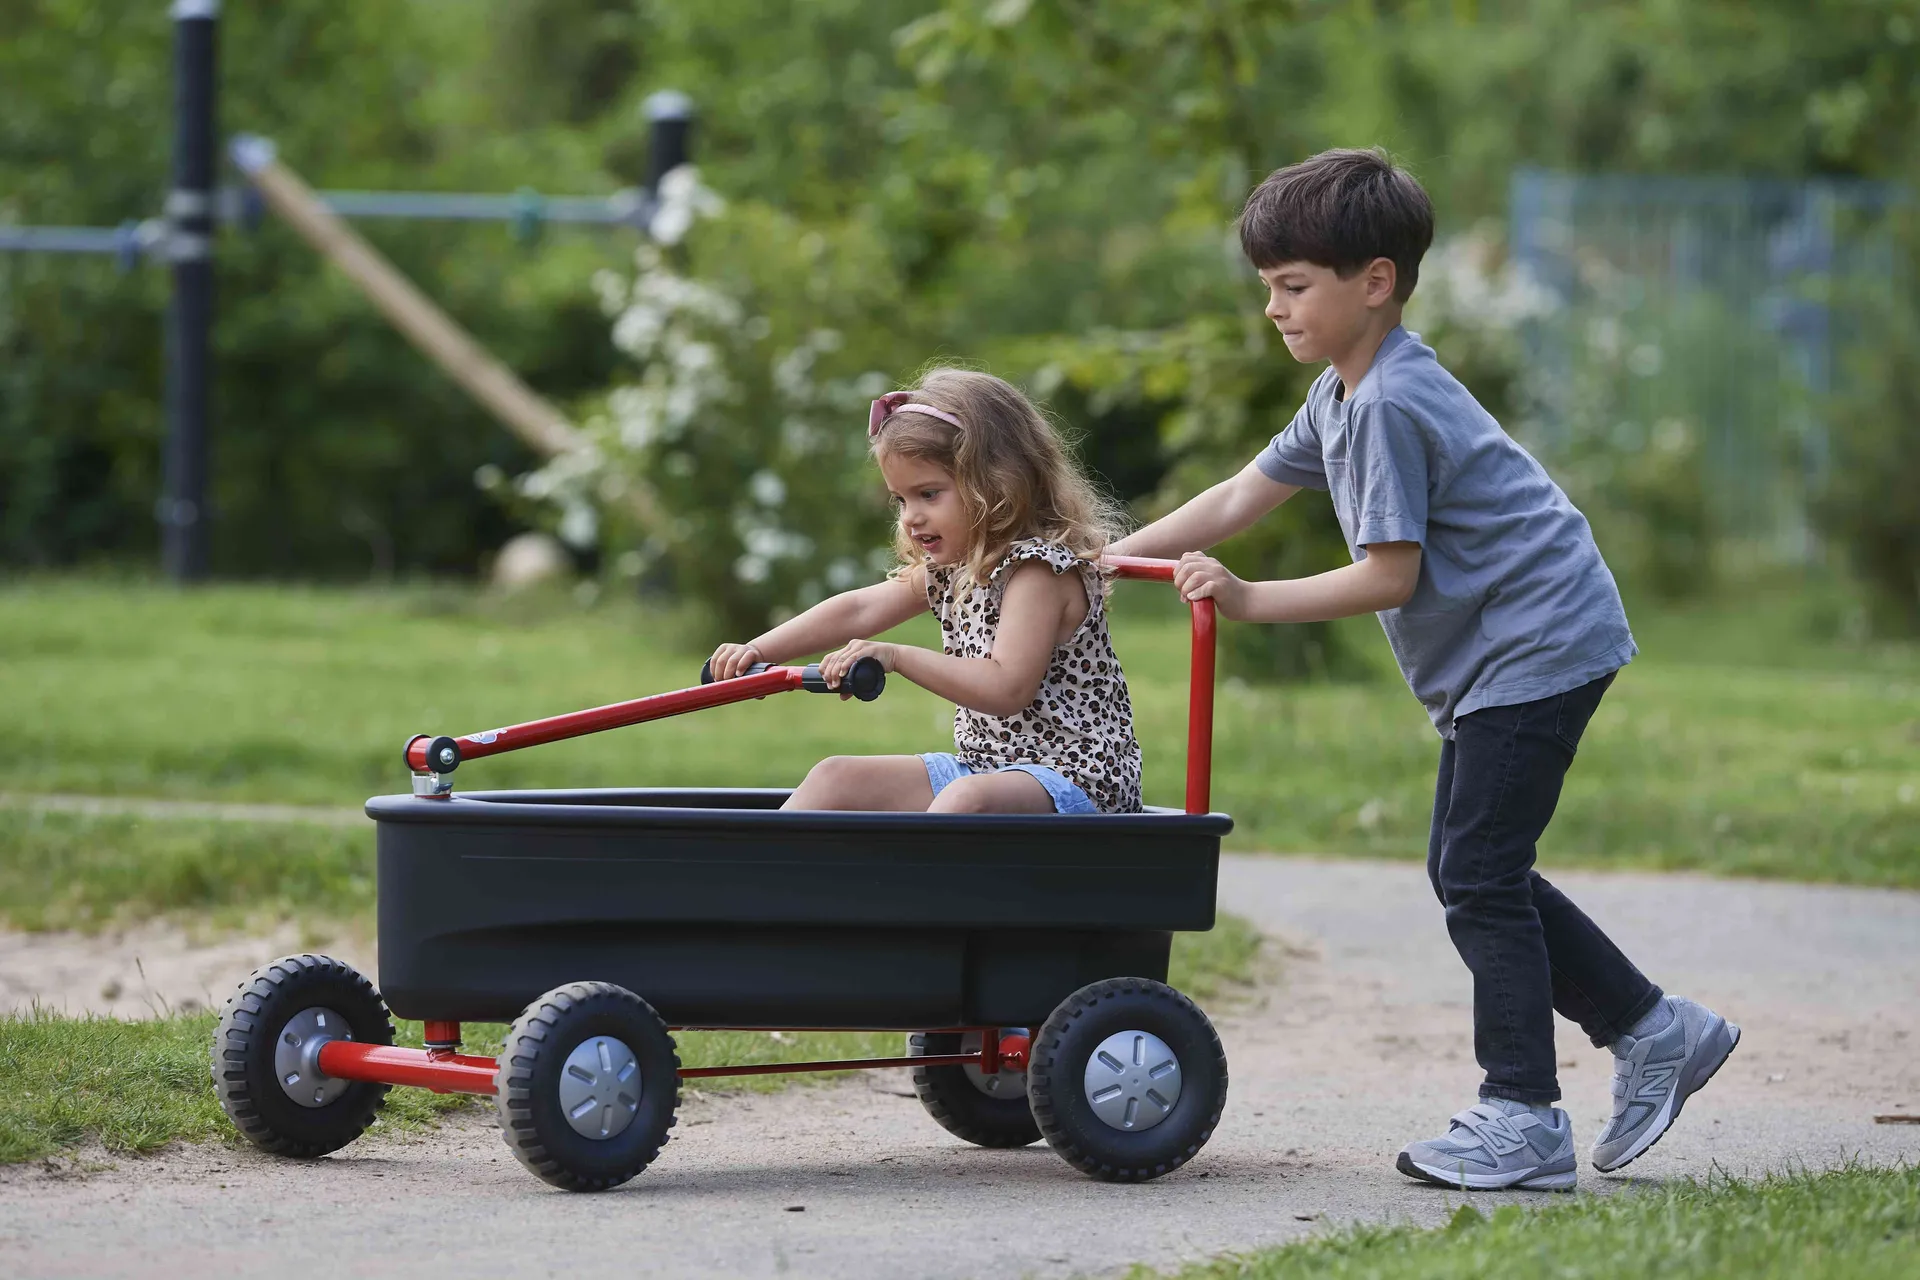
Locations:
1201 577
731 660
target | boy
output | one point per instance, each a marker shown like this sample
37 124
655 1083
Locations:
1508 627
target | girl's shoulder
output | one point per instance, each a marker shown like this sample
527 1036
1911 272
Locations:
1059 557
1055 555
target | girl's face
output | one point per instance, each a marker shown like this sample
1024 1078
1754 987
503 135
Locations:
929 507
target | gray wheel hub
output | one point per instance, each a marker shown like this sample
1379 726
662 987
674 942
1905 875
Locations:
600 1087
1002 1083
296 1056
1132 1080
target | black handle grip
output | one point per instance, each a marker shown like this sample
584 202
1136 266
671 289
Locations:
866 681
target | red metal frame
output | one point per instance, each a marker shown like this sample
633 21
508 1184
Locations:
444 1071
1200 677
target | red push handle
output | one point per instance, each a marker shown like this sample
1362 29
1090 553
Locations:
430 755
1200 677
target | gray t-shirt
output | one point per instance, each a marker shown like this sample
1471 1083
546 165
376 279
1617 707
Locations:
1514 602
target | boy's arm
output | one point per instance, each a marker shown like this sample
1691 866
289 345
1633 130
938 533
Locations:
856 614
1216 515
1384 580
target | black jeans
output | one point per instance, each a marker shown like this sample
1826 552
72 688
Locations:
1530 949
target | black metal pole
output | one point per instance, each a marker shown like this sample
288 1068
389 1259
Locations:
182 508
670 121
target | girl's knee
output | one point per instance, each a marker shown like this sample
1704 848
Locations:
834 776
970 794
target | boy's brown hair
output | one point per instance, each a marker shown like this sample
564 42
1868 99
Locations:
1340 209
1012 473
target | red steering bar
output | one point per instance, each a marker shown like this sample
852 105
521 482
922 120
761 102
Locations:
425 754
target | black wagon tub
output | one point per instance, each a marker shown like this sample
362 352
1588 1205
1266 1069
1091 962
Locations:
1025 956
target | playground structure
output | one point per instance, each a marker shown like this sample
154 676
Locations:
184 238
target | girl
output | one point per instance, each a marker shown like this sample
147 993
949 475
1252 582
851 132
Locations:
998 536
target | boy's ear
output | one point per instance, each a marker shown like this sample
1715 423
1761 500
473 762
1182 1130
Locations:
1382 276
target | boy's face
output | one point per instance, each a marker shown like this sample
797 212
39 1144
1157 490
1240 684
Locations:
1319 314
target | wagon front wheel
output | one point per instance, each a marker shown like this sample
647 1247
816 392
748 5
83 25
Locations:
266 1055
1127 1079
586 1086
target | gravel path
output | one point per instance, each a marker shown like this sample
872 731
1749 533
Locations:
1364 1044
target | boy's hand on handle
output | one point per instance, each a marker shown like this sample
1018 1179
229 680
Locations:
731 660
834 667
1201 577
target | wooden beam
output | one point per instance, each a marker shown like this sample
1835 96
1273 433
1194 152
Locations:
544 429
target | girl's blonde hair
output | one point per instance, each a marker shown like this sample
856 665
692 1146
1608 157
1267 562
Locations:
1011 471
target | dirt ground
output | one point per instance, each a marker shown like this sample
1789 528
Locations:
1363 1043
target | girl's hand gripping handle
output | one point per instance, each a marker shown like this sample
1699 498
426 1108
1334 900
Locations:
865 680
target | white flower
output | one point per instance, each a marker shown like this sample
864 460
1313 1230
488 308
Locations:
579 526
611 289
768 489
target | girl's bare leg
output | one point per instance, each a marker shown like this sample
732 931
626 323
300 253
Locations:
1014 791
888 784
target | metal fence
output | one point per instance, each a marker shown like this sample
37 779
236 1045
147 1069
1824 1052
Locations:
1719 306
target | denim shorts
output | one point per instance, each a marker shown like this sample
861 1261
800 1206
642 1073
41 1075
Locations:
943 767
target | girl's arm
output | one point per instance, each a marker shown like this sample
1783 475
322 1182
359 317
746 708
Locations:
1033 611
864 611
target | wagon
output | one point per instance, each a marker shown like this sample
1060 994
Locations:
1024 956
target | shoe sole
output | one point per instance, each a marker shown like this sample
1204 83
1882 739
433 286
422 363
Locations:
1531 1180
1663 1122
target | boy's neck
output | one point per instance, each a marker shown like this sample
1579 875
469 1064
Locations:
1353 363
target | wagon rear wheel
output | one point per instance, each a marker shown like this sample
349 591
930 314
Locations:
986 1110
587 1085
1127 1079
266 1054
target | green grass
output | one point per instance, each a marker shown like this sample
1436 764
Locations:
78 871
1860 1224
1739 743
136 1086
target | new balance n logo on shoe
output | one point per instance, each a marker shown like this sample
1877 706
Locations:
1502 1136
1656 1083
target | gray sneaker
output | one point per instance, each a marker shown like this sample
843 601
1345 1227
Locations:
1488 1150
1653 1076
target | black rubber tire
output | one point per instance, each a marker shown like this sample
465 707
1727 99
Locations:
1056 1079
527 1081
961 1109
244 1077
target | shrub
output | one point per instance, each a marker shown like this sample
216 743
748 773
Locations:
732 465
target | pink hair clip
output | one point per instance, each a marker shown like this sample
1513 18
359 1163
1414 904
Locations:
898 402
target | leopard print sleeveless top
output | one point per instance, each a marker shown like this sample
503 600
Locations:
1080 724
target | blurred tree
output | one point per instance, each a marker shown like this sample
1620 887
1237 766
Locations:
336 448
1042 186
1870 509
